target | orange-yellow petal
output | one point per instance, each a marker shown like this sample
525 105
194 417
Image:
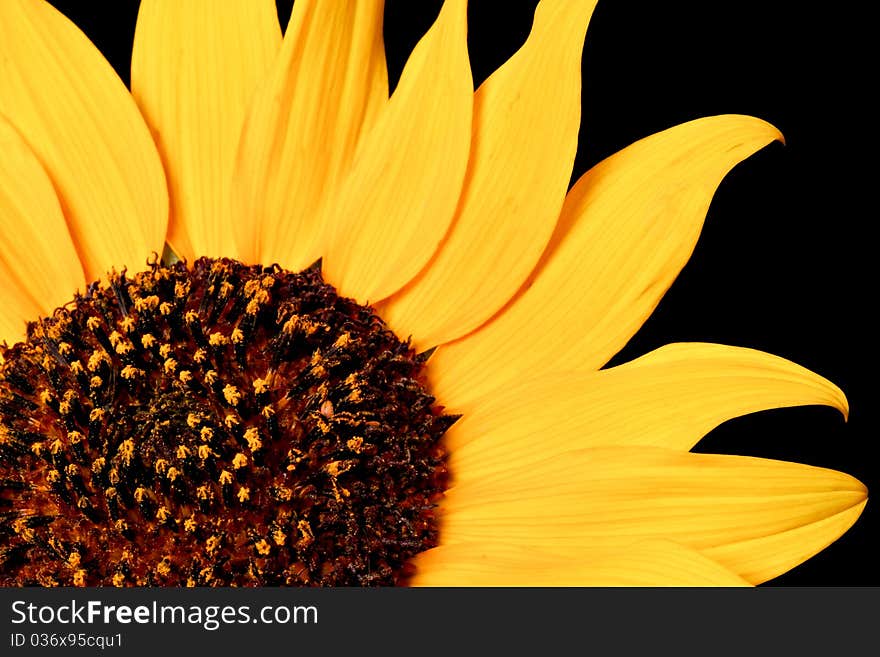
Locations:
670 397
626 230
300 135
753 516
522 152
38 265
395 206
647 563
85 129
194 68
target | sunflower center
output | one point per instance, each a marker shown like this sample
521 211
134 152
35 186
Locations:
215 425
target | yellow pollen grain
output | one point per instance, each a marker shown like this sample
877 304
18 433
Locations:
203 492
148 340
261 386
181 289
162 514
206 434
343 340
226 289
355 444
131 372
118 580
199 356
126 450
244 494
37 448
113 476
64 408
267 411
93 323
212 544
127 324
182 451
115 338
165 350
140 494
72 469
217 339
252 436
225 477
193 420
204 452
263 547
46 396
185 376
165 308
98 464
64 349
279 537
160 466
74 437
124 348
231 394
96 382
211 377
239 461
120 525
76 367
190 525
56 446
96 415
173 473
164 566
74 559
170 365
191 317
237 336
97 357
251 287
79 578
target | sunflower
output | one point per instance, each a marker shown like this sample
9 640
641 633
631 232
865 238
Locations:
244 412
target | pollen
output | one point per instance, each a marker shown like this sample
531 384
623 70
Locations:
215 424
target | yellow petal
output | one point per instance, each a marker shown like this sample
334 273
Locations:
398 201
84 127
671 397
38 265
304 125
627 228
194 69
648 563
740 511
522 152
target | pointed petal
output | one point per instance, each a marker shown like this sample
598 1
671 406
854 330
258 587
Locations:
396 205
671 398
751 515
522 153
194 69
305 123
38 264
649 563
84 127
627 229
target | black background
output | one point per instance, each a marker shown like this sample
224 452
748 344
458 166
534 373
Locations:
783 261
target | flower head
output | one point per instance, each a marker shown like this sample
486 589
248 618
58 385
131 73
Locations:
225 419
